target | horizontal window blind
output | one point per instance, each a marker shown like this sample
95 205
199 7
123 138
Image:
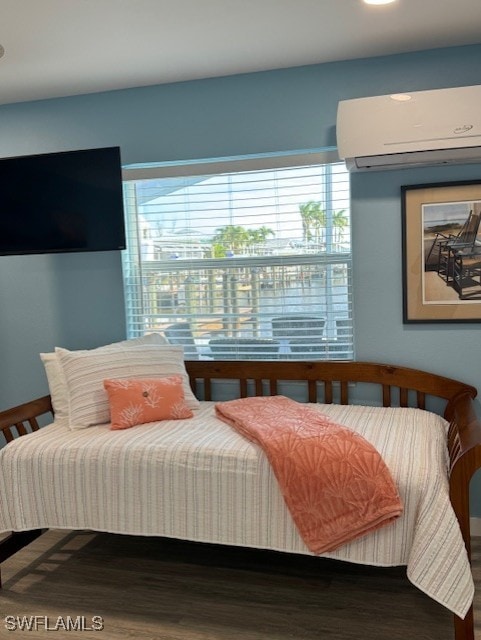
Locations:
242 264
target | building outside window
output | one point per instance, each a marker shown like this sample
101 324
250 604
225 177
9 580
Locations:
241 263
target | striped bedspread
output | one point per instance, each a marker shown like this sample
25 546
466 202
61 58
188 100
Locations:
335 484
200 480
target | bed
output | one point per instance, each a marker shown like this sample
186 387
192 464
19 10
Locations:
433 542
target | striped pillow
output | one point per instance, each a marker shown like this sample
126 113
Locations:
56 380
85 373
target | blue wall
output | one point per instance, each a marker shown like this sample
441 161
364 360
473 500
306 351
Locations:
76 300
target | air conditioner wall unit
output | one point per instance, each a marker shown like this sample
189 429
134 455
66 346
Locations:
421 128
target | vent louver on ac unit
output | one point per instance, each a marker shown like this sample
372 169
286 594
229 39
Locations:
441 126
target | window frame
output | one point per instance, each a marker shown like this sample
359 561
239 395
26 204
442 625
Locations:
134 295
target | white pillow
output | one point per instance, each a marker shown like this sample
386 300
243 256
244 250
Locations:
56 379
56 385
85 373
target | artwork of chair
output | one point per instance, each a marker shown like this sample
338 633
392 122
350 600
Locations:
431 262
467 273
464 241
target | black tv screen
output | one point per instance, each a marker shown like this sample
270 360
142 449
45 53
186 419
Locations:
62 202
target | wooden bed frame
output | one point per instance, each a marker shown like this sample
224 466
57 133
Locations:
325 382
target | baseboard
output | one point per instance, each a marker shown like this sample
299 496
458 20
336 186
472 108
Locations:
475 524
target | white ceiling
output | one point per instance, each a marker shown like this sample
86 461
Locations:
66 47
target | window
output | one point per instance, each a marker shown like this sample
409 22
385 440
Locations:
241 263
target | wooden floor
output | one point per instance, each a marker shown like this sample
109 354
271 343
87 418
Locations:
149 589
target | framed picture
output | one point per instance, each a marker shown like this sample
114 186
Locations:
442 252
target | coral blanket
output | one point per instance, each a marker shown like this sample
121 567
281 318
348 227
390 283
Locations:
335 483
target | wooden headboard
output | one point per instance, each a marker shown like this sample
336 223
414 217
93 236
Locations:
411 386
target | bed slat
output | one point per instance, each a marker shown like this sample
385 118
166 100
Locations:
421 400
243 387
386 395
21 429
328 392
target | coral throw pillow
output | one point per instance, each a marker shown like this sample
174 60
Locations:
139 400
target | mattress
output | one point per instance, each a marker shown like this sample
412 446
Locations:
200 480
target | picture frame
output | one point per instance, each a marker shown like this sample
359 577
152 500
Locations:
441 246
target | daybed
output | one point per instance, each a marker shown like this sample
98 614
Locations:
434 546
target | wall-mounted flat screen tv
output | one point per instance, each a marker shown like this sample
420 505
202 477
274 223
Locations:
62 202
